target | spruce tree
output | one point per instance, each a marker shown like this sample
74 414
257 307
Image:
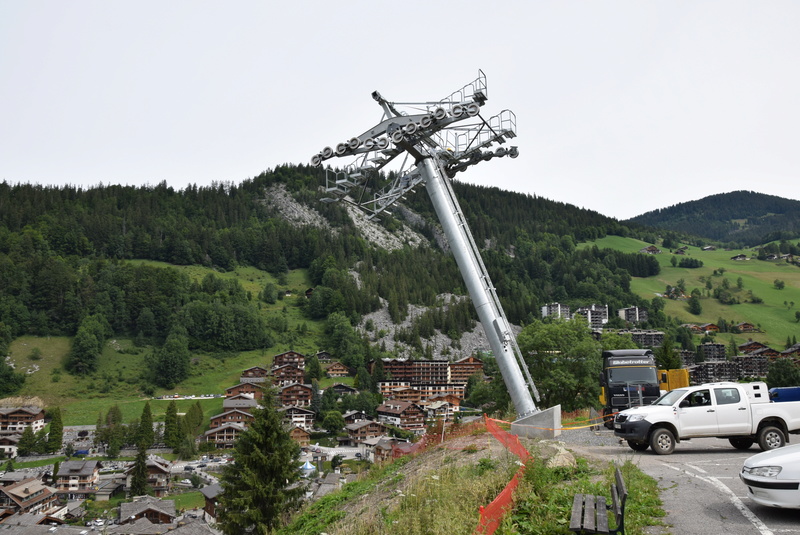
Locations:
139 473
27 442
56 435
146 436
172 433
261 485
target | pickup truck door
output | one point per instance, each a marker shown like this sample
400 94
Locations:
697 415
733 416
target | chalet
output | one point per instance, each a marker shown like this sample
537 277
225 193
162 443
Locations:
793 351
297 416
211 495
709 327
383 449
300 435
771 256
692 327
77 480
287 374
256 374
337 369
438 410
324 357
155 510
708 248
351 417
462 370
296 395
455 401
16 419
740 256
8 445
232 416
224 436
402 414
747 327
764 352
251 389
750 346
240 402
29 495
364 429
650 249
289 357
30 519
343 389
157 476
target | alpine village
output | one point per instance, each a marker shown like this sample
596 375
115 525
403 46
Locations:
245 358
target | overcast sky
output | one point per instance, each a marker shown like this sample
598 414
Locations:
622 106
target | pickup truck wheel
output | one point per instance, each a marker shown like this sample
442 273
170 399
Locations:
770 437
741 443
638 446
662 441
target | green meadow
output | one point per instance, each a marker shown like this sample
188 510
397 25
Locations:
776 319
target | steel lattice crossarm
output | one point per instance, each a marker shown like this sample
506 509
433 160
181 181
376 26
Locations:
452 129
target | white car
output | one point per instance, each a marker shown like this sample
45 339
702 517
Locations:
773 477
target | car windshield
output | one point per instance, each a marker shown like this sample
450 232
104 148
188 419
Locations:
670 398
632 375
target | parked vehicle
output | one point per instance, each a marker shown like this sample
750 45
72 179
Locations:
773 477
188 468
785 393
630 378
741 413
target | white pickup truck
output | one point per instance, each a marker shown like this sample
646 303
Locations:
742 413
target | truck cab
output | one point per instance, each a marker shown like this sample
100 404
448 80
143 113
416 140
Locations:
629 378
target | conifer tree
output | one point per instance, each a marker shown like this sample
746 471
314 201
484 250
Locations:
313 369
146 436
261 485
27 442
56 435
139 473
172 434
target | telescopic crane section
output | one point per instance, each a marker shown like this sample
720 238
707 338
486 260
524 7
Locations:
437 140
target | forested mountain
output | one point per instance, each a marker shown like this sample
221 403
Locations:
741 218
63 268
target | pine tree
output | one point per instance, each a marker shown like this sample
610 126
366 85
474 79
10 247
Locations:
139 473
146 436
56 435
172 434
260 486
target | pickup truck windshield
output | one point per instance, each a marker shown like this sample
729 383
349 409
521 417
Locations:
632 375
670 398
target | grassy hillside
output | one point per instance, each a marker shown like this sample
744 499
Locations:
117 379
775 318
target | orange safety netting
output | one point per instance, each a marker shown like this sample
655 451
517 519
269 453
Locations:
492 514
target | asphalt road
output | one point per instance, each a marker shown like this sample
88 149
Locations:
702 492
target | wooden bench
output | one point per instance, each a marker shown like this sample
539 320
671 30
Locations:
590 513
